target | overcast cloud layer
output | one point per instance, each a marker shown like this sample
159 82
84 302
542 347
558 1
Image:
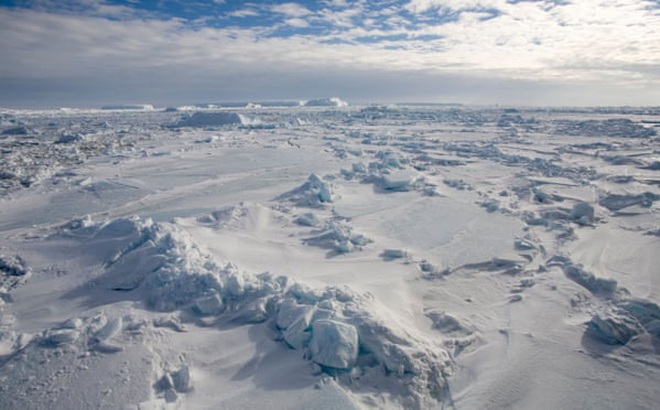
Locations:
522 52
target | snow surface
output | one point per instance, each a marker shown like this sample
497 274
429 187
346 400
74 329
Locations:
315 257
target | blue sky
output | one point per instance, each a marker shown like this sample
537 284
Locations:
512 52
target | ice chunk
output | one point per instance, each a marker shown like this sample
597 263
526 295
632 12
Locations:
313 193
614 328
392 254
13 266
401 181
320 188
307 219
588 280
616 202
522 244
58 337
447 324
209 305
111 328
289 311
334 344
646 312
582 213
491 205
181 379
252 312
297 334
597 286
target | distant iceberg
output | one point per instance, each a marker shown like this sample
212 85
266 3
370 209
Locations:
325 102
207 119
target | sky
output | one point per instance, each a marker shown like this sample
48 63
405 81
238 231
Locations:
86 53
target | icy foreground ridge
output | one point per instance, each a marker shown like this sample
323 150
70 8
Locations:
341 332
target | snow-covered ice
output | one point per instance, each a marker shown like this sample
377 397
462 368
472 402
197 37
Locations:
323 255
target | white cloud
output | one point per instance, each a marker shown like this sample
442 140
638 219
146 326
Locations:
291 10
582 44
296 22
336 3
244 13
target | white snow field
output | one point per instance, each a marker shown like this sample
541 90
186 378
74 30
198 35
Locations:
327 256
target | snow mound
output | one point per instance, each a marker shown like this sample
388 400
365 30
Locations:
315 193
211 119
248 216
325 102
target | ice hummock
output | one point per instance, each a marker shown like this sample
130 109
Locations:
314 193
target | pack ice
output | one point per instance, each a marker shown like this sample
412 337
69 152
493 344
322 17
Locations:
323 255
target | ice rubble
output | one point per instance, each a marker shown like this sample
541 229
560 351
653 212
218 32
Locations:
87 333
338 238
13 266
175 382
339 330
13 272
389 172
612 127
